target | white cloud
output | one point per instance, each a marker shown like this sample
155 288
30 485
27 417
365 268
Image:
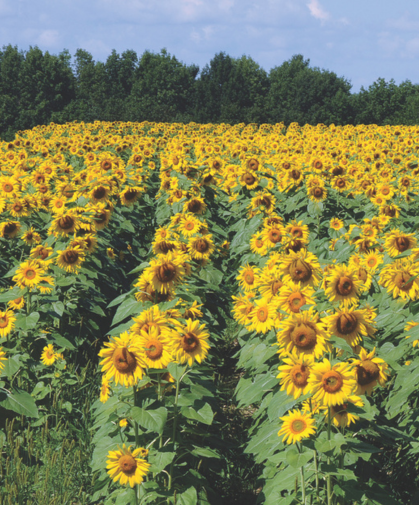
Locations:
48 38
317 11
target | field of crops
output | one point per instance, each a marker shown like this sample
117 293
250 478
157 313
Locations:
209 314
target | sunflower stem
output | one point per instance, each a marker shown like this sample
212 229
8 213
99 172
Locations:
329 480
316 470
137 443
175 413
303 483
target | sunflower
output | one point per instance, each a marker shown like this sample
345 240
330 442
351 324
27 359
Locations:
31 237
48 356
317 193
262 316
71 259
242 308
301 267
339 413
2 358
294 374
248 277
258 244
369 371
331 385
305 333
195 206
146 291
408 327
273 235
296 426
7 322
130 195
372 260
17 303
166 271
190 342
156 347
104 390
9 229
189 225
151 319
351 325
343 285
270 283
298 231
122 361
401 279
292 297
397 242
64 224
29 274
201 248
125 465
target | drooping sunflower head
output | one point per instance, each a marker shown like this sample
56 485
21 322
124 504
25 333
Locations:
351 325
71 258
370 371
65 223
397 242
301 267
166 271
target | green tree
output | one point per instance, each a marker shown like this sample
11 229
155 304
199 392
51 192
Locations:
11 60
299 93
162 89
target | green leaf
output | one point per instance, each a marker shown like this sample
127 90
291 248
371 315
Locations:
20 402
176 371
160 459
151 420
205 452
120 298
58 308
325 446
11 366
204 415
297 459
127 308
61 341
27 322
11 294
189 497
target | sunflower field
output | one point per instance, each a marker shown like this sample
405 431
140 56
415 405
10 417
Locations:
209 314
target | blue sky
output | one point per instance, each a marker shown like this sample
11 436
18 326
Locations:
359 40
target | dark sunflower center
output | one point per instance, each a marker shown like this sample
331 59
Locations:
3 322
201 245
332 381
275 287
298 426
127 464
166 272
296 301
66 223
295 174
189 342
249 179
344 286
253 164
346 323
402 243
401 281
367 372
99 193
262 314
30 274
154 349
304 337
71 257
194 206
299 375
274 236
300 271
10 228
249 278
124 361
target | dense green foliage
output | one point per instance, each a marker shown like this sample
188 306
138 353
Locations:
37 88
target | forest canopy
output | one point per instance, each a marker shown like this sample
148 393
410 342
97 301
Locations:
38 88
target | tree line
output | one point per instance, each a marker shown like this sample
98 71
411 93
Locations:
37 88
